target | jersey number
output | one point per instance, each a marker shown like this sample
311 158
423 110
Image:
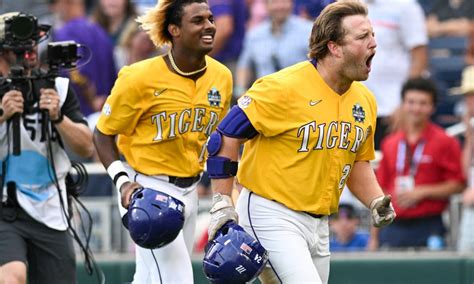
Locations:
345 173
31 126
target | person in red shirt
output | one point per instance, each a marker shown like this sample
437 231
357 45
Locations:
421 168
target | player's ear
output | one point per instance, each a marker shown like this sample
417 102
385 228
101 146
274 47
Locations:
335 49
174 30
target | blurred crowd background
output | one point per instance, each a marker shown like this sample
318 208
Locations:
428 39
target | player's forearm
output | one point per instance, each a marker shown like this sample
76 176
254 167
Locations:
223 186
77 136
106 148
230 149
363 183
441 191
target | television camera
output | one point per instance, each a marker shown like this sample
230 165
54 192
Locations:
21 35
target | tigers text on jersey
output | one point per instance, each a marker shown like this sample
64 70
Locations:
163 119
309 138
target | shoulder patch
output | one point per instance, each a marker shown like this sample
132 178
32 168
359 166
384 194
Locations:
107 109
244 102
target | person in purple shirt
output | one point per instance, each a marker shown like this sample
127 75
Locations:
96 74
230 17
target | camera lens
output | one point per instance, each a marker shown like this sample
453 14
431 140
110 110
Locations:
22 27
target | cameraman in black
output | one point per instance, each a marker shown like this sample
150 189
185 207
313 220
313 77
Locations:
34 240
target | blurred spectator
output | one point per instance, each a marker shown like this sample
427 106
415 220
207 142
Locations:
421 168
310 9
344 225
400 32
230 17
95 77
135 45
114 16
466 233
450 18
280 41
257 12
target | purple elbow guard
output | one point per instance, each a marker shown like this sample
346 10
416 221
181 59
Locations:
235 125
221 167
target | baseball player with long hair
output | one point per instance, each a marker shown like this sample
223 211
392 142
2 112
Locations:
162 110
308 130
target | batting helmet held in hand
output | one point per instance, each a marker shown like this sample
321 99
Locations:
154 219
233 256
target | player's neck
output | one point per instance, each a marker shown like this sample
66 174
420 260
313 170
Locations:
186 61
332 77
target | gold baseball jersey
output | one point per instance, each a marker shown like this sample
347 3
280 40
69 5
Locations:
162 119
309 138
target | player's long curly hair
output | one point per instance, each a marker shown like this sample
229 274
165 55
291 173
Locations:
156 20
328 26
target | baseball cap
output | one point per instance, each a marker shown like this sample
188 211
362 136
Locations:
467 82
347 210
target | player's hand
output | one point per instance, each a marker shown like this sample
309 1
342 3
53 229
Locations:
382 211
126 191
12 102
222 211
49 100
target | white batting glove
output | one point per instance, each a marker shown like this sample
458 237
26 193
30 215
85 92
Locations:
222 211
382 211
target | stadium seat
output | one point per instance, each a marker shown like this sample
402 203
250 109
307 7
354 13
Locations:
447 59
446 62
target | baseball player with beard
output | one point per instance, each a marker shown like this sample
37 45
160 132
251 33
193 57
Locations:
308 130
162 110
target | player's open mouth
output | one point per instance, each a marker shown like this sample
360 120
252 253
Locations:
209 39
368 63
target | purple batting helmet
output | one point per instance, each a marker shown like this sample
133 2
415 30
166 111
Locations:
233 256
154 219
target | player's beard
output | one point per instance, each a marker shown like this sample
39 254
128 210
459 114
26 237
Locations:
355 67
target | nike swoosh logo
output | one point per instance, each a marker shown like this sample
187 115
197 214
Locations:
159 92
313 103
